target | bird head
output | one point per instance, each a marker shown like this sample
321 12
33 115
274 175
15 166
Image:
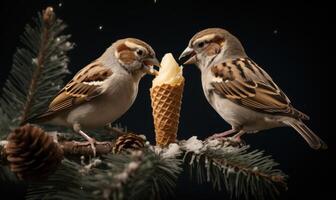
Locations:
207 44
132 56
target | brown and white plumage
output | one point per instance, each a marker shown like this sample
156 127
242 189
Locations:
239 90
86 85
245 83
103 90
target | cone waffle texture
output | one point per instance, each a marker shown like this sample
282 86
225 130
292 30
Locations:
166 104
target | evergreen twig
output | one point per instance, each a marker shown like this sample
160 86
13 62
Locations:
243 173
66 183
136 175
48 20
37 71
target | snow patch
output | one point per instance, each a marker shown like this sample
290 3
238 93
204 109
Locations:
133 165
193 144
172 151
87 167
34 61
143 137
68 44
3 142
214 144
128 171
123 176
230 170
53 58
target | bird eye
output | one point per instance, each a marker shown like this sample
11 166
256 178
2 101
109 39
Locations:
200 45
139 52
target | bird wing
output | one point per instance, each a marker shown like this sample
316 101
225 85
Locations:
85 85
243 82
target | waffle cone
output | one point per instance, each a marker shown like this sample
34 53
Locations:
166 105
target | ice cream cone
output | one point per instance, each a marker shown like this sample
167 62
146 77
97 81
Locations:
166 96
166 104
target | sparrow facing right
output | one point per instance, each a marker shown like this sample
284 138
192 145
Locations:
241 92
103 90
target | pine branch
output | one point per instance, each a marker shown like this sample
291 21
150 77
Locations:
68 148
66 183
38 69
151 172
4 124
242 173
139 175
136 175
6 176
48 18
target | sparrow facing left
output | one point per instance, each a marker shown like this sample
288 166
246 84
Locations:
241 92
103 90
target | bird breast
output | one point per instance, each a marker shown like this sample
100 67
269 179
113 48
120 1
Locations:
237 116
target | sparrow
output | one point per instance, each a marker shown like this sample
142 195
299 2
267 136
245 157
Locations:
103 90
240 91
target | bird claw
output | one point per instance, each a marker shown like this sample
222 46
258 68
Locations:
92 143
220 136
230 141
215 136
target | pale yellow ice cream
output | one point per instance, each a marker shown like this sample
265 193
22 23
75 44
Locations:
169 73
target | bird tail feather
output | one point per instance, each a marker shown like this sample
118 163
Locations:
311 138
39 118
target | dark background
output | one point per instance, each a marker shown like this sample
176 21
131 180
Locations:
291 42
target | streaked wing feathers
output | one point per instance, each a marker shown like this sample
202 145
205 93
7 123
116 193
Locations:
245 83
85 85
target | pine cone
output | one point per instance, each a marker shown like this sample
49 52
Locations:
128 141
32 154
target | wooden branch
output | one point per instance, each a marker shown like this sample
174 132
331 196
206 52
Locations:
41 141
70 148
84 148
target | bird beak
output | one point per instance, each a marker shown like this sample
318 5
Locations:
148 66
191 54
